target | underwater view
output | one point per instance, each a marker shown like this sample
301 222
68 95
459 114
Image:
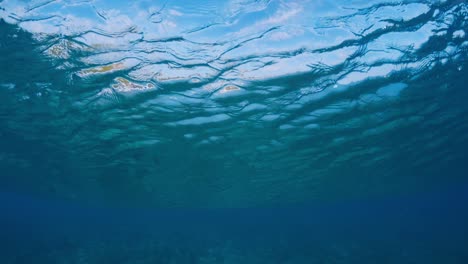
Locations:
235 131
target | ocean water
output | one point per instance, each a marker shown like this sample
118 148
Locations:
238 131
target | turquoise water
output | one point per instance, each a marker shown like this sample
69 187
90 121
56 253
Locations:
233 131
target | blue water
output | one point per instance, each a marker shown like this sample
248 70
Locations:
428 228
240 131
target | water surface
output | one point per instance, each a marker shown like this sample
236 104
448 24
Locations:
263 131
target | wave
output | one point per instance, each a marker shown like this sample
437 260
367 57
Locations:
237 103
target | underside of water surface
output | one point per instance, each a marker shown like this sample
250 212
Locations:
237 103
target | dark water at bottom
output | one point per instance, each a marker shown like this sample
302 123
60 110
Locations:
424 228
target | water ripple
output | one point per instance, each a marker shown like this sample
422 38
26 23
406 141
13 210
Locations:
233 103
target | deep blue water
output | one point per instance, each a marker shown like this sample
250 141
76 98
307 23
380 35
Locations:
238 131
423 228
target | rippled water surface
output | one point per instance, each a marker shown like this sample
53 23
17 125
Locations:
232 132
231 103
